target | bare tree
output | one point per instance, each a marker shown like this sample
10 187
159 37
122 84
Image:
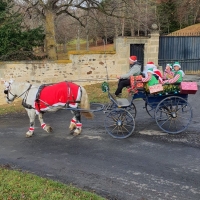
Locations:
97 18
50 9
65 27
188 12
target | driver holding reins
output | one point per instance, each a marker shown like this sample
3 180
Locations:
124 80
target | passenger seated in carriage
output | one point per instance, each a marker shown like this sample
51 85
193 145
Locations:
171 85
158 73
151 69
124 80
168 73
154 70
151 78
178 75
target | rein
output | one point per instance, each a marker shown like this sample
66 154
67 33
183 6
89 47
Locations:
25 92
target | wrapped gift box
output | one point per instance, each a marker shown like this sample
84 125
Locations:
139 84
138 78
188 87
136 82
155 88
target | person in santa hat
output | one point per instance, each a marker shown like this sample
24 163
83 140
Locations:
159 74
124 80
178 74
153 70
150 77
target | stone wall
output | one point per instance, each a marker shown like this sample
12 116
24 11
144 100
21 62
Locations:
83 67
83 70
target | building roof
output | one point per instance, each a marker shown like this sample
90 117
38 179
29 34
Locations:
188 31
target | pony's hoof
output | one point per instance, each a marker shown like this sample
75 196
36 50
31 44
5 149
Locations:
29 134
77 131
48 129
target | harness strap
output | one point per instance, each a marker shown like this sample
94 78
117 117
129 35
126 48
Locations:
70 92
37 99
26 91
24 104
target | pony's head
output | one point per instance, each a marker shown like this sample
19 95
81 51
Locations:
8 91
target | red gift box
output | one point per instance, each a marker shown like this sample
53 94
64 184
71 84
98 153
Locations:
188 87
135 83
139 84
155 88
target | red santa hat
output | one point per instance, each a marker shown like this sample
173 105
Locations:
158 72
133 58
150 64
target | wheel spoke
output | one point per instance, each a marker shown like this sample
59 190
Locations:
162 110
181 107
165 121
180 122
113 118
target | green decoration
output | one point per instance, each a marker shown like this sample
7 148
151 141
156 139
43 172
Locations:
105 86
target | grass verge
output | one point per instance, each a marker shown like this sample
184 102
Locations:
15 185
15 107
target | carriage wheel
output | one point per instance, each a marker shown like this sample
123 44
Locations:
119 123
173 114
150 109
132 109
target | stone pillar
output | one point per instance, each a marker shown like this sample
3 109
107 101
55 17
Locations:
152 47
122 54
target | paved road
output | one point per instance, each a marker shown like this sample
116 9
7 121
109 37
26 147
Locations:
149 165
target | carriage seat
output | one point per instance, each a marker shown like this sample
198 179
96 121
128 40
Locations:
121 102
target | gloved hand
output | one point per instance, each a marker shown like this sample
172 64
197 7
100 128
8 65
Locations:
143 75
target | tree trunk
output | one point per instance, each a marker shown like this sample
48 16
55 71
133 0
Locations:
123 19
116 28
50 35
87 42
65 46
78 40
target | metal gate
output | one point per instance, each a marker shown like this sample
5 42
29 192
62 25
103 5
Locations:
184 49
138 50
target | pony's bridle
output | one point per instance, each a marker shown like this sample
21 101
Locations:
7 92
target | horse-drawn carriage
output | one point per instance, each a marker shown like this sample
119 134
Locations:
171 111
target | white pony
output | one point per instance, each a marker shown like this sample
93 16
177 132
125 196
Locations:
50 98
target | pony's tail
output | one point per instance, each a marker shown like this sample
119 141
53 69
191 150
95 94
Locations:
85 104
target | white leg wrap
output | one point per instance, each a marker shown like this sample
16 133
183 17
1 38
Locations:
43 125
72 125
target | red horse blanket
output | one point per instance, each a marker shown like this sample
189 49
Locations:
58 94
